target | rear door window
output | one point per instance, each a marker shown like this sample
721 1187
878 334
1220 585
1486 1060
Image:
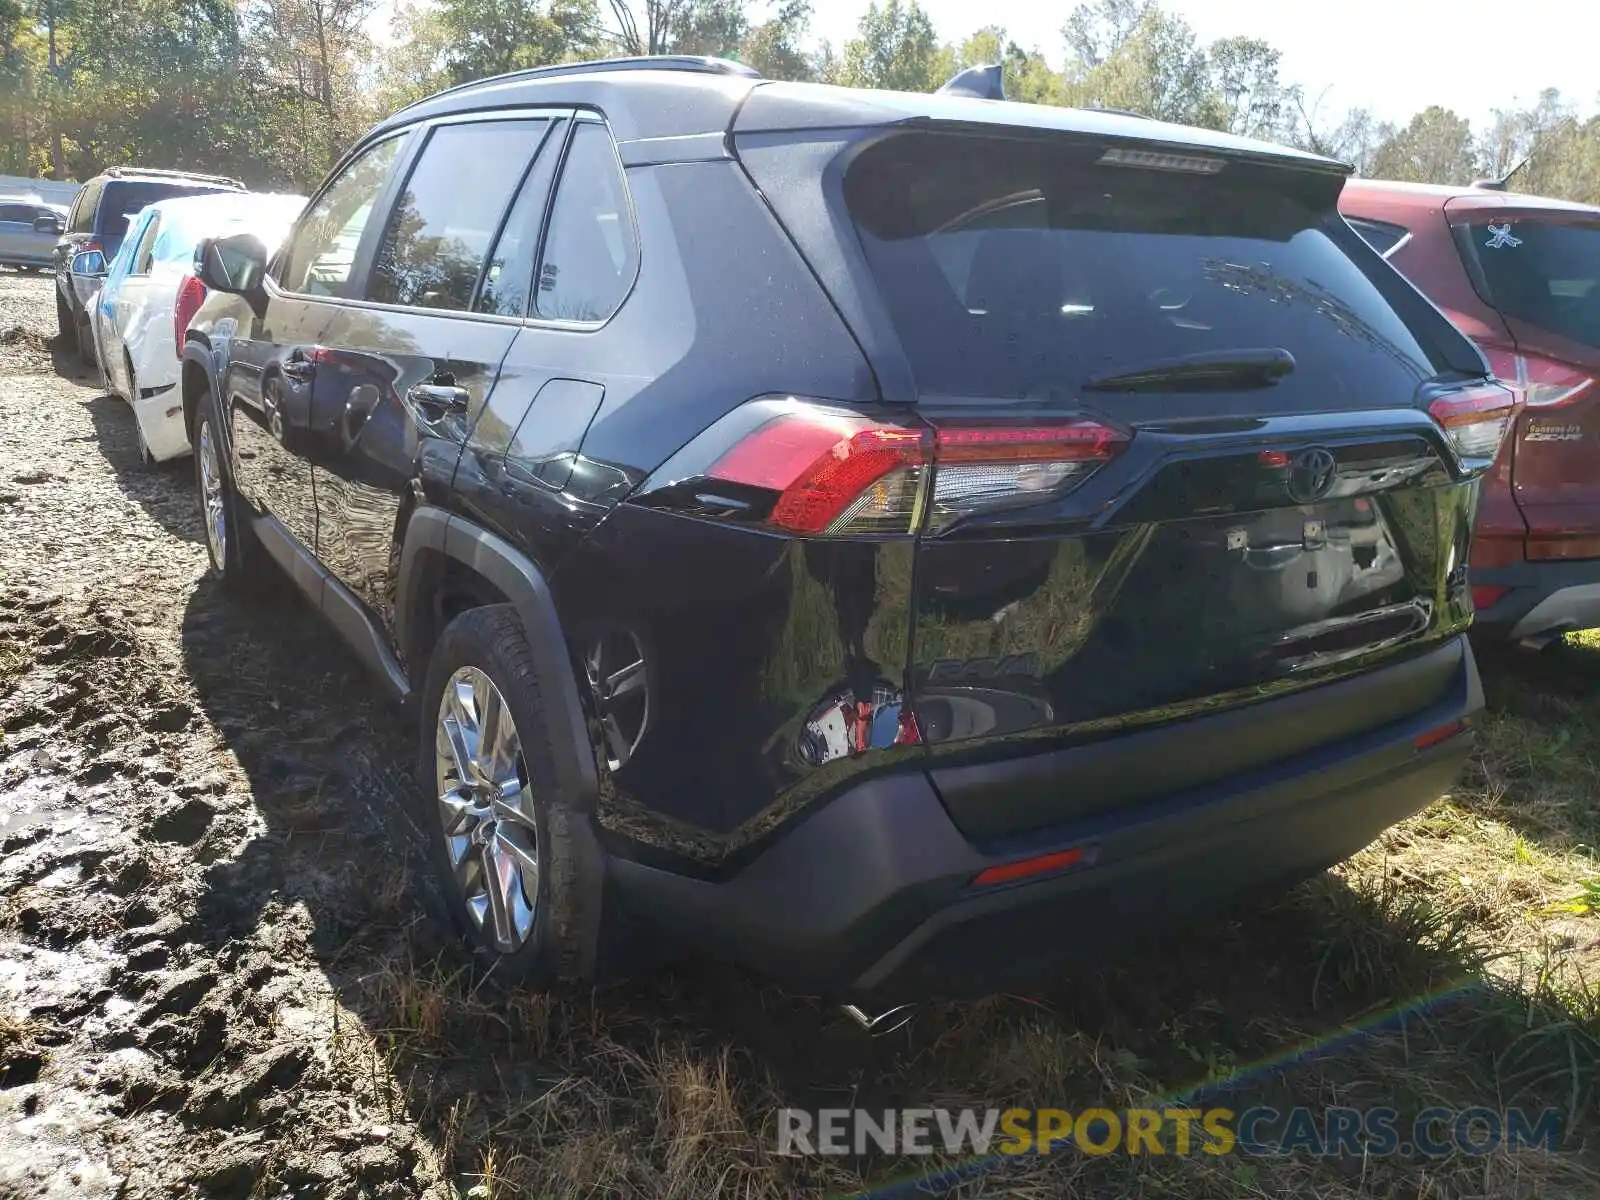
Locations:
590 251
438 236
1020 268
20 213
1544 272
508 278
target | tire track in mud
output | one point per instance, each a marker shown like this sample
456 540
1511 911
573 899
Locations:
202 853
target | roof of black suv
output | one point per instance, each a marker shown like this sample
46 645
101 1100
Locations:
646 99
159 175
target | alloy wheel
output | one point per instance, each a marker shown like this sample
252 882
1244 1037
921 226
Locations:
486 810
212 498
619 682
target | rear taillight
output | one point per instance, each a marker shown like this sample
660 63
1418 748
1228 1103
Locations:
1487 597
981 467
191 295
1476 419
813 468
1547 384
833 472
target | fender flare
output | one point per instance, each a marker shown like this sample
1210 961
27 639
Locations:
519 579
198 353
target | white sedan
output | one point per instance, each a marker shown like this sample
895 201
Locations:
150 293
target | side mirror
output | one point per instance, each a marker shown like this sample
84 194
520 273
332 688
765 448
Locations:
49 224
236 263
91 264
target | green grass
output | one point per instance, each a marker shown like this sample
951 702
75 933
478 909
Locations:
1456 963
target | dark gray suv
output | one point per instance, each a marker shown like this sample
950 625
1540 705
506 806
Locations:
95 226
901 542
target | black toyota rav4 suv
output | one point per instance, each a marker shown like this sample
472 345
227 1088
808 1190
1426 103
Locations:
899 542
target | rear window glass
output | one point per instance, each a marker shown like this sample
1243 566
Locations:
125 197
1019 268
1544 273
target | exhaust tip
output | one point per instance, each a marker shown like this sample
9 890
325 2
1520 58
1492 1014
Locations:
882 1023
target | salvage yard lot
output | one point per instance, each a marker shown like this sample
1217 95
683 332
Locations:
219 974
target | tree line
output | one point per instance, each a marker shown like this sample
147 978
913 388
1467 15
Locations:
272 91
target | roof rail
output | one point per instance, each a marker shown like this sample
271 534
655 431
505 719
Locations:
1120 112
161 173
702 64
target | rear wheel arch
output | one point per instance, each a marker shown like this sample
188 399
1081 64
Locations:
196 384
448 565
448 561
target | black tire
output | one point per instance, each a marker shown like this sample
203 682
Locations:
86 354
491 640
243 566
66 326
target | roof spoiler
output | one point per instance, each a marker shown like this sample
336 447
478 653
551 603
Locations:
979 83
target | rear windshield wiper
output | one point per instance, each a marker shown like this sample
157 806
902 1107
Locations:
1207 370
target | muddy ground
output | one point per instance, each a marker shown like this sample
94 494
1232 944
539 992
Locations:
189 832
220 975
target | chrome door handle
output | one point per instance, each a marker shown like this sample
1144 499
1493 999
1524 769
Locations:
299 370
438 399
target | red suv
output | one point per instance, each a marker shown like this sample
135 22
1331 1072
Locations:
1520 275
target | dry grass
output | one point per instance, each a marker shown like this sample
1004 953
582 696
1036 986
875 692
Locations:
1454 963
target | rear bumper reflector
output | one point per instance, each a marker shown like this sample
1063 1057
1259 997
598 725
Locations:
1444 733
1026 868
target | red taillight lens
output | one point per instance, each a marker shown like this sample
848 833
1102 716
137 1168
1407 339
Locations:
1476 419
838 472
191 295
1487 597
1548 384
834 472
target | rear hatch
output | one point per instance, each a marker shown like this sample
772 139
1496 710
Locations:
1540 269
1183 458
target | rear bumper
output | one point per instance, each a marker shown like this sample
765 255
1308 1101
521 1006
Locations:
872 897
160 418
1541 598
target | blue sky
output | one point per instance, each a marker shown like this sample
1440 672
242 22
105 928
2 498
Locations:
1392 56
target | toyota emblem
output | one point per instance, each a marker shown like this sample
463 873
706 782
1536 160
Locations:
1311 474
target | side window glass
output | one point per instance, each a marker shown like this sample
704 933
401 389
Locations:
323 251
508 279
141 256
1380 235
590 251
83 210
439 233
15 212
